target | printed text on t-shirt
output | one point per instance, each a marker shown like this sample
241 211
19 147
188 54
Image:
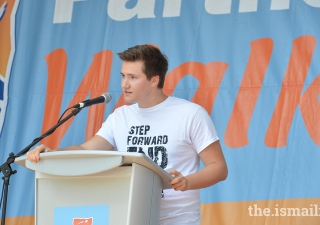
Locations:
157 152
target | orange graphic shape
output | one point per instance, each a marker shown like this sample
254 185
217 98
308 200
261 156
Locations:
5 35
83 221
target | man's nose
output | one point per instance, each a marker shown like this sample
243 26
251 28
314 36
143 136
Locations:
124 82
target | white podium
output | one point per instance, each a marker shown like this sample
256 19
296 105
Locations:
128 184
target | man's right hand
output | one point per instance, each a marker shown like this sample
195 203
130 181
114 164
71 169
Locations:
34 155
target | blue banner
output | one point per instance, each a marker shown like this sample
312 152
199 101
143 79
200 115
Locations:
253 65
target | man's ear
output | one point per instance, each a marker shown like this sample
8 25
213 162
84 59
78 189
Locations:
155 80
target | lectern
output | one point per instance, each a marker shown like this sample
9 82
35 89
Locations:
82 187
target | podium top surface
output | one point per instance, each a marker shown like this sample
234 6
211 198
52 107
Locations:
85 162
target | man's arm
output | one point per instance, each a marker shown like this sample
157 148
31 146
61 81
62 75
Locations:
215 170
94 143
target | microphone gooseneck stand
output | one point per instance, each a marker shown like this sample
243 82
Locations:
6 167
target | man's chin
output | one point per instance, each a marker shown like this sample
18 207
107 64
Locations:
129 101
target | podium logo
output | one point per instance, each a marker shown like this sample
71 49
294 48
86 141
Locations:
82 221
81 215
8 9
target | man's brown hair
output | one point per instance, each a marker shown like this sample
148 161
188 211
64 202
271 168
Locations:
155 62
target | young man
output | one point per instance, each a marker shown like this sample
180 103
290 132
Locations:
173 132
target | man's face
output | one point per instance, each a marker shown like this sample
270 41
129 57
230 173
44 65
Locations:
135 86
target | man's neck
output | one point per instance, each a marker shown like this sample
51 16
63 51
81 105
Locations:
154 99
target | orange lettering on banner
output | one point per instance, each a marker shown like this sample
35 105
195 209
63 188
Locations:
57 66
310 110
95 82
236 134
209 77
292 85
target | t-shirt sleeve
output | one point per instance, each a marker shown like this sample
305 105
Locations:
106 131
203 131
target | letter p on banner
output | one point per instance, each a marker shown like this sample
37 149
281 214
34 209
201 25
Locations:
82 221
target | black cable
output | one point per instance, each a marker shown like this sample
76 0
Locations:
2 195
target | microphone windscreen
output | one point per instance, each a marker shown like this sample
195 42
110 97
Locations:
107 97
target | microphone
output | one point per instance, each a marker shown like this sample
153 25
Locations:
104 98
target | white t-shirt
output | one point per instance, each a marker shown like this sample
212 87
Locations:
172 134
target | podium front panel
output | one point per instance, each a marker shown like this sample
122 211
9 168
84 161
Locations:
54 191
